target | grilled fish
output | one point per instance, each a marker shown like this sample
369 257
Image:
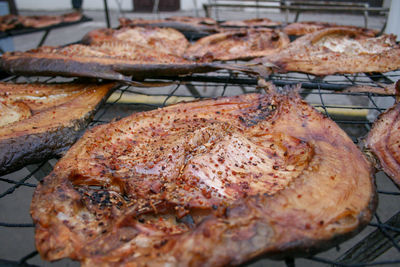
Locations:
15 22
383 141
305 27
207 183
38 121
181 23
113 60
238 44
258 22
165 40
337 50
383 89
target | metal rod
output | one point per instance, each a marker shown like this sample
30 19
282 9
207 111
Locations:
290 262
41 170
379 77
27 257
46 33
16 224
17 183
372 246
107 14
253 81
13 188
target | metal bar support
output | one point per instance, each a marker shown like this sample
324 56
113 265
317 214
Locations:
44 37
44 170
107 14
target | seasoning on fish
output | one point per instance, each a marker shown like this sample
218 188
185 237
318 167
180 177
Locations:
206 183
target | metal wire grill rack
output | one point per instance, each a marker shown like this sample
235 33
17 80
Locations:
376 245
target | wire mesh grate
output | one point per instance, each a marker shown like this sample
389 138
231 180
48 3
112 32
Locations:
376 245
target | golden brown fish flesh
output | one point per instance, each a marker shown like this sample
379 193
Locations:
305 27
207 183
337 50
166 40
258 22
384 141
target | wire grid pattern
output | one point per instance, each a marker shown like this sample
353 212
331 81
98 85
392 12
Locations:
376 245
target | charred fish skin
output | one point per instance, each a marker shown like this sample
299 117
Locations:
207 183
18 152
53 126
183 24
51 63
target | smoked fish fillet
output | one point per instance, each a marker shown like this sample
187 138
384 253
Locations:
207 183
38 121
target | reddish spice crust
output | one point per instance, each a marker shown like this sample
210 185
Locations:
182 188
